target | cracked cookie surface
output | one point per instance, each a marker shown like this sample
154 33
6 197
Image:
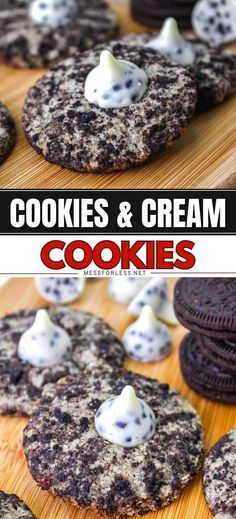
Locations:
94 344
67 457
7 133
219 477
61 125
11 507
26 44
214 70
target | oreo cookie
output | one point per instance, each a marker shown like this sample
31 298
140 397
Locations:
207 306
219 477
216 350
223 348
203 375
11 507
153 12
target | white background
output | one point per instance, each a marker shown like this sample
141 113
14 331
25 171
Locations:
20 255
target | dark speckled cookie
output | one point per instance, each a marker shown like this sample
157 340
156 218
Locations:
219 477
7 133
94 344
67 457
207 306
214 70
204 375
61 125
11 507
25 44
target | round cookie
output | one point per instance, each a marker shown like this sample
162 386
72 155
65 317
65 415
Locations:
215 21
207 306
67 457
214 70
219 477
224 348
60 290
7 133
61 125
24 43
214 349
199 372
9 4
94 344
11 507
153 12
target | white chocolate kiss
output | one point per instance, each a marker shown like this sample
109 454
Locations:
147 340
154 294
115 83
53 13
60 290
125 289
44 344
125 420
170 42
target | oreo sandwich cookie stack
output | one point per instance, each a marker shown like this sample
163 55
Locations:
207 307
153 12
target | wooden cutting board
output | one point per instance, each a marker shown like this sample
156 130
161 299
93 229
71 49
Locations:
14 475
204 157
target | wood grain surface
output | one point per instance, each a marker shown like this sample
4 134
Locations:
217 418
205 156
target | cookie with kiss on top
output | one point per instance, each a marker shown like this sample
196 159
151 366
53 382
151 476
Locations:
109 108
38 347
38 33
212 68
119 443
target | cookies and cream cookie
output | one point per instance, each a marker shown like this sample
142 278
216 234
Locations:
11 507
7 133
212 68
38 348
37 34
140 107
69 457
219 477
